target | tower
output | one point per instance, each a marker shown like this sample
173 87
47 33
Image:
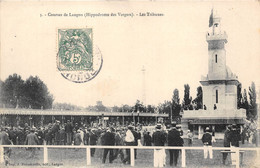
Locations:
220 85
216 49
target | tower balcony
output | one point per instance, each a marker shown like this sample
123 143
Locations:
215 114
221 36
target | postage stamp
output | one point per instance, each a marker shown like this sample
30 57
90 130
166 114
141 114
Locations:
78 60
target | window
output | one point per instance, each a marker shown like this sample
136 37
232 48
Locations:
216 58
216 96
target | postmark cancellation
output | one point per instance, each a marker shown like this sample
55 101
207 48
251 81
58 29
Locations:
78 60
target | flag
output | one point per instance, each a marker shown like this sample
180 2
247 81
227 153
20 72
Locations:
211 18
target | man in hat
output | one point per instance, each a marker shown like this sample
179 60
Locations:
234 139
93 137
4 140
119 142
68 130
129 141
109 140
190 137
55 131
31 139
174 139
207 141
226 142
159 139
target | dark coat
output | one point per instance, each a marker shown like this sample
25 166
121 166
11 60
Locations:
55 128
119 140
109 138
174 138
31 139
86 138
147 140
136 135
20 137
158 138
68 128
93 138
207 139
62 135
227 138
4 139
235 138
77 139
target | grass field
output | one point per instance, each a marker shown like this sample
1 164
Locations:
77 158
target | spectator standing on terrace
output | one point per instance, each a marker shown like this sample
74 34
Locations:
147 139
86 136
4 140
31 139
174 139
119 142
129 141
137 137
55 130
12 135
109 140
159 139
68 130
20 136
77 138
234 139
190 137
226 143
93 141
207 141
62 136
40 136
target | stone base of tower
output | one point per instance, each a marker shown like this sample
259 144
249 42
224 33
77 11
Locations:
198 120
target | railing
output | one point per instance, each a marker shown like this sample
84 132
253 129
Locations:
132 158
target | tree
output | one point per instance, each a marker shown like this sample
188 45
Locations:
36 94
252 99
187 99
239 96
100 107
244 103
126 108
12 91
198 100
150 109
66 106
139 106
176 107
15 92
165 107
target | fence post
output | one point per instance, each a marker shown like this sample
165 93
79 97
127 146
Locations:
132 158
183 157
88 156
237 158
45 154
1 154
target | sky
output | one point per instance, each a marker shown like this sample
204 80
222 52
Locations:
172 48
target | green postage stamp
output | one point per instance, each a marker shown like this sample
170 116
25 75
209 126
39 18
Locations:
78 59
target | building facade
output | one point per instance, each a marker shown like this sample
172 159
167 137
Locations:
219 87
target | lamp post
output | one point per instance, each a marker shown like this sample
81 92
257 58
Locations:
30 119
138 116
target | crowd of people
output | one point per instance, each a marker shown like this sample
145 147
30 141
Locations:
78 134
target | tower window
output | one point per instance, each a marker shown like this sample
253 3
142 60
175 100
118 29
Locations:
216 58
216 96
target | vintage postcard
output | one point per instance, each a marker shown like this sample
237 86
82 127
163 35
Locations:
129 84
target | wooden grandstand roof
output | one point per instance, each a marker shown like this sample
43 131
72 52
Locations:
9 111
